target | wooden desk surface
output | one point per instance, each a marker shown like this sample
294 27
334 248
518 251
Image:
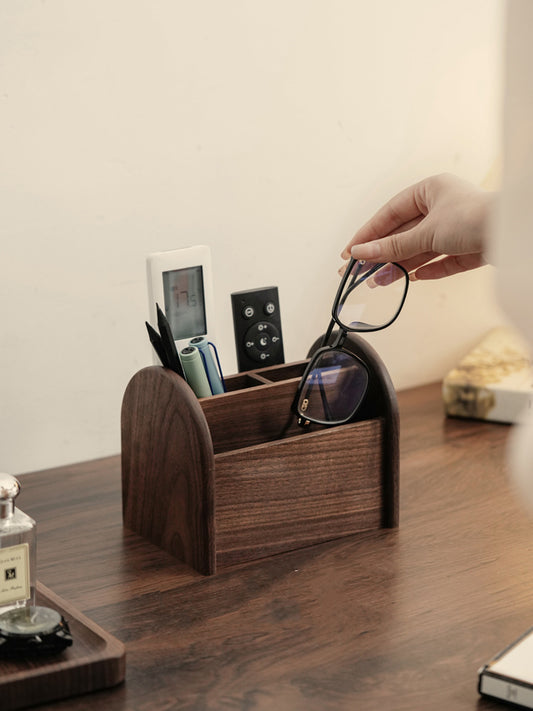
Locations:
395 620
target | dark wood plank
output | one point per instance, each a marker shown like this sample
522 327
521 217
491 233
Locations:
298 492
253 416
392 619
168 467
380 401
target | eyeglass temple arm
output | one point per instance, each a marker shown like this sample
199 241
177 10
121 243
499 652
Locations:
317 375
354 283
324 398
352 286
331 326
328 333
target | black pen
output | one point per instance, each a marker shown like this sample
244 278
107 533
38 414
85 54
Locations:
168 345
155 340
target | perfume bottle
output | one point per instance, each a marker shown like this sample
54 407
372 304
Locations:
17 549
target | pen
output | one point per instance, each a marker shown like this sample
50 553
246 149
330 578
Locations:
155 340
168 345
195 371
214 376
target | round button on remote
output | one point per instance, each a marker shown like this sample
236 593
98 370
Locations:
262 342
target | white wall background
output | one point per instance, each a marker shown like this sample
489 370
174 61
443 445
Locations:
269 131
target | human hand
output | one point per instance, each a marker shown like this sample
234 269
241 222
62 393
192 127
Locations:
440 217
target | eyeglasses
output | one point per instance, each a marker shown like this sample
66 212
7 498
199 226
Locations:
369 298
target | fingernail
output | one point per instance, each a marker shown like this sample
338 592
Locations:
367 250
413 277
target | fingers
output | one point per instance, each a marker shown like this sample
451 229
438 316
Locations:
447 266
414 263
410 265
427 266
440 217
397 247
403 211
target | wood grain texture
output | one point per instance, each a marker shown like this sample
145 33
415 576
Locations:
298 492
277 486
95 661
253 416
168 467
379 401
395 619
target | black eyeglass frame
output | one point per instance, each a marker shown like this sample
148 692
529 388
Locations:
344 330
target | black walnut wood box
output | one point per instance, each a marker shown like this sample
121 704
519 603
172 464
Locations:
232 478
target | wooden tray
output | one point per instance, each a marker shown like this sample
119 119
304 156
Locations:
96 660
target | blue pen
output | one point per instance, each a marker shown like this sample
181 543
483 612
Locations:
214 375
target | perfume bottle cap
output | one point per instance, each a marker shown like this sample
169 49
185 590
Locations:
9 487
9 490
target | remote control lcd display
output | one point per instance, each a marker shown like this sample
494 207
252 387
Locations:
184 302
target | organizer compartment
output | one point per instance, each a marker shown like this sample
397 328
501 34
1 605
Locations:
242 381
232 478
299 491
251 417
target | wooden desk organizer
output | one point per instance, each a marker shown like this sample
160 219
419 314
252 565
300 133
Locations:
232 478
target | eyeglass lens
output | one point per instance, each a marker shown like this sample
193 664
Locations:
334 387
372 296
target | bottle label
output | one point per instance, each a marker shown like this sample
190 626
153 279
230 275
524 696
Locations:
14 574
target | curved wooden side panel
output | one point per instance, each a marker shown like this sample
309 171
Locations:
168 488
380 401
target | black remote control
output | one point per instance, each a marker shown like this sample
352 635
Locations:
257 323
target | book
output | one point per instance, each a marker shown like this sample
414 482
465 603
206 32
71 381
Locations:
493 382
509 675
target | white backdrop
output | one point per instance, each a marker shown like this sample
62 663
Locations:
269 131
